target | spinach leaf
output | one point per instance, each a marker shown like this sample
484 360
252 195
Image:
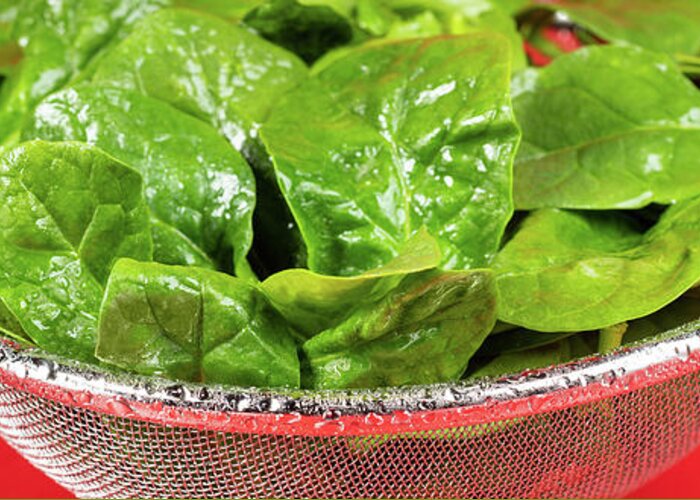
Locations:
202 65
193 324
459 17
671 26
69 211
625 149
172 247
568 271
232 11
58 40
10 51
395 137
540 356
8 14
516 362
423 332
308 31
381 20
228 77
518 340
174 152
681 312
314 303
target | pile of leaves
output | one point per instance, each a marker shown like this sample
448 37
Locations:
346 193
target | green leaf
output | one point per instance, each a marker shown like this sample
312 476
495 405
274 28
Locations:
172 247
567 271
395 137
202 65
196 325
517 362
69 211
59 39
232 11
625 149
228 77
308 31
425 331
681 312
460 17
671 26
518 340
174 152
512 6
313 303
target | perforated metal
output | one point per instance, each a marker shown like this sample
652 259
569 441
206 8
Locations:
598 449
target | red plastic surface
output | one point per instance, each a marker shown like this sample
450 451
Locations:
21 480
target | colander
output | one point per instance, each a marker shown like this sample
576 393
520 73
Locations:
593 428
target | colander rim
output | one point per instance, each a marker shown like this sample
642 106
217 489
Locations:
669 355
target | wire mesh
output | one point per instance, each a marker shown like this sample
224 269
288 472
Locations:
600 449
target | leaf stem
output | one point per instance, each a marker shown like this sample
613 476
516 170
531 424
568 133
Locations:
611 338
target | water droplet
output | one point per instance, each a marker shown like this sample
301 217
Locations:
120 408
331 414
374 419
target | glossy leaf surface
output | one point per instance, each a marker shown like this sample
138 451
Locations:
313 302
228 77
172 247
568 271
681 312
518 340
196 325
395 137
307 30
635 139
422 332
69 211
194 181
59 39
459 17
516 362
202 65
671 26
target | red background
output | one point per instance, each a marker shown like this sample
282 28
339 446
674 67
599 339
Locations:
21 480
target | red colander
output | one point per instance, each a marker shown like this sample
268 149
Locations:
593 428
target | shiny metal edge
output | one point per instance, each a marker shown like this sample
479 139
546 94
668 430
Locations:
77 377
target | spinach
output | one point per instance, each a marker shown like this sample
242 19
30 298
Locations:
405 19
308 31
206 67
172 247
168 144
459 17
174 152
671 26
518 340
314 303
228 77
394 137
69 212
225 9
577 271
194 324
58 41
516 362
422 332
681 312
625 149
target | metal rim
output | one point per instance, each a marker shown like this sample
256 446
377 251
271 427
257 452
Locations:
356 412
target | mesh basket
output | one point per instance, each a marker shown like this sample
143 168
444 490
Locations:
593 428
